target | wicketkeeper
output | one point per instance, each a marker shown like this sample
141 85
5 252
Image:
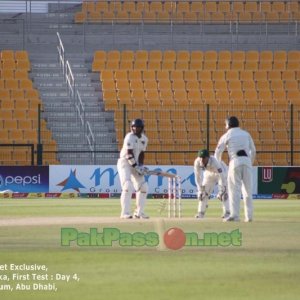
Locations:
131 171
209 172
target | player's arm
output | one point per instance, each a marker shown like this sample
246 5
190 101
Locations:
220 148
130 158
198 174
141 158
219 170
252 150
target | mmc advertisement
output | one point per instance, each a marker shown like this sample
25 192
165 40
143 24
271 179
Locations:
105 179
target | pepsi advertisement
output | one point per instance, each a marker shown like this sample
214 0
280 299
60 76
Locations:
24 179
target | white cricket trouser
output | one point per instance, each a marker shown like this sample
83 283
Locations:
240 182
209 181
130 181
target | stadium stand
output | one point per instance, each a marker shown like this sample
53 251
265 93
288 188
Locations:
19 102
168 91
254 75
187 12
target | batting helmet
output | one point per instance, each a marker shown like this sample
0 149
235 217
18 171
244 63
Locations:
138 123
232 122
203 153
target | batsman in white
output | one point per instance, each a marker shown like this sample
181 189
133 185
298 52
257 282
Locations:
209 172
241 151
131 171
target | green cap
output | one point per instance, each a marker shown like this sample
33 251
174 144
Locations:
203 153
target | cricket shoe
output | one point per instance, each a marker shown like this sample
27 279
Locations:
248 220
226 215
231 219
140 216
199 215
126 216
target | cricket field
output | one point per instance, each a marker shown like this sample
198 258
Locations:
58 249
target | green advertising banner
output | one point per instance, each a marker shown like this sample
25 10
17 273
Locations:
279 180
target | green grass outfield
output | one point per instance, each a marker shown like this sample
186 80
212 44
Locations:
265 266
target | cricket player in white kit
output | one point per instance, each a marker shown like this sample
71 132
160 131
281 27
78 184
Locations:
131 171
241 151
209 172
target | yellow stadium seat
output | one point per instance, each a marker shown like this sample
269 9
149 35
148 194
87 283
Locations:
149 75
126 65
263 84
163 17
192 85
278 6
204 75
7 55
9 64
122 85
276 85
251 65
155 6
208 97
108 85
7 104
195 98
17 94
141 55
246 75
122 17
293 65
279 65
279 97
164 85
178 84
248 85
291 85
150 85
251 6
197 7
136 84
25 84
180 98
149 16
265 65
80 17
135 16
209 65
94 16
142 6
220 85
237 65
167 65
280 55
162 75
274 75
288 75
11 84
21 74
112 64
236 96
134 74
266 55
232 75
260 75
154 65
140 65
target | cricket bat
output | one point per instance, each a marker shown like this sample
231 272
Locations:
161 173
